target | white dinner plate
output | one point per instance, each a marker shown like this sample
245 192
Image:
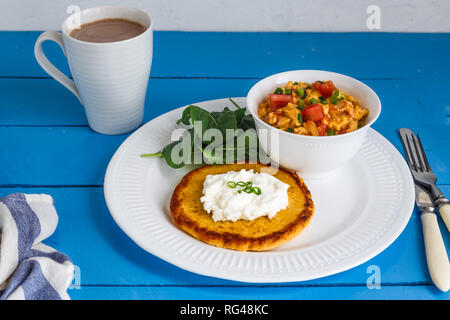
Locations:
359 210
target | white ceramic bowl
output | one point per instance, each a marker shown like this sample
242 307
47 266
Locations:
312 157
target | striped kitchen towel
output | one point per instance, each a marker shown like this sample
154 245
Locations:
30 270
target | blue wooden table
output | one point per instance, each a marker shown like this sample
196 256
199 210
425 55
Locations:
47 147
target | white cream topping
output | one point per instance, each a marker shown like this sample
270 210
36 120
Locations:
227 203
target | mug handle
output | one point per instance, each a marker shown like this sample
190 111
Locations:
48 66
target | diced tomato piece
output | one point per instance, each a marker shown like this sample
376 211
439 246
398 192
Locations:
325 88
322 129
313 112
279 100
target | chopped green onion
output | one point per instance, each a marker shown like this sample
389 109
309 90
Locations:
301 104
313 101
248 187
301 93
290 130
248 190
278 91
256 191
323 100
331 132
336 96
300 118
231 184
287 91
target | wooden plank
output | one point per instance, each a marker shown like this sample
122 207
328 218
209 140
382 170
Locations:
250 54
106 256
55 156
41 102
44 102
79 156
252 293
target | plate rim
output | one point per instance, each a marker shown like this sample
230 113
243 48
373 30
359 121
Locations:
262 278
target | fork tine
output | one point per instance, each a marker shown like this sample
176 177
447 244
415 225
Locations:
424 155
411 154
417 153
404 141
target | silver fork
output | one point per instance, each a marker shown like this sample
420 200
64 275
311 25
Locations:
422 173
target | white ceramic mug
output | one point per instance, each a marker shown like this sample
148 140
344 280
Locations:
110 79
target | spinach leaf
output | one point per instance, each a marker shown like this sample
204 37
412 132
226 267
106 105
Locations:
167 154
226 120
201 120
247 122
239 113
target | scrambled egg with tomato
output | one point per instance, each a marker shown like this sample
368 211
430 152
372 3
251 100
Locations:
317 109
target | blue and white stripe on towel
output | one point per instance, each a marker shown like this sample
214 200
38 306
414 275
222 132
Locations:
29 269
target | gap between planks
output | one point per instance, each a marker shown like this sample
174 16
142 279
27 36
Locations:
331 285
207 78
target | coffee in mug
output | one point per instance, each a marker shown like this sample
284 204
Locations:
108 30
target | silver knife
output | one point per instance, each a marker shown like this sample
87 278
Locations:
437 259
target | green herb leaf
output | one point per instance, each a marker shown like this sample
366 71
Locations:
239 114
167 155
186 116
313 101
227 119
247 122
278 91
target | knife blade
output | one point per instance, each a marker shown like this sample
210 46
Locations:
437 259
423 199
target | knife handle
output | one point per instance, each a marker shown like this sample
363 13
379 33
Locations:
444 210
437 259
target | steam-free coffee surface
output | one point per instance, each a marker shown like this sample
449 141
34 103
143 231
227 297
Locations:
108 30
